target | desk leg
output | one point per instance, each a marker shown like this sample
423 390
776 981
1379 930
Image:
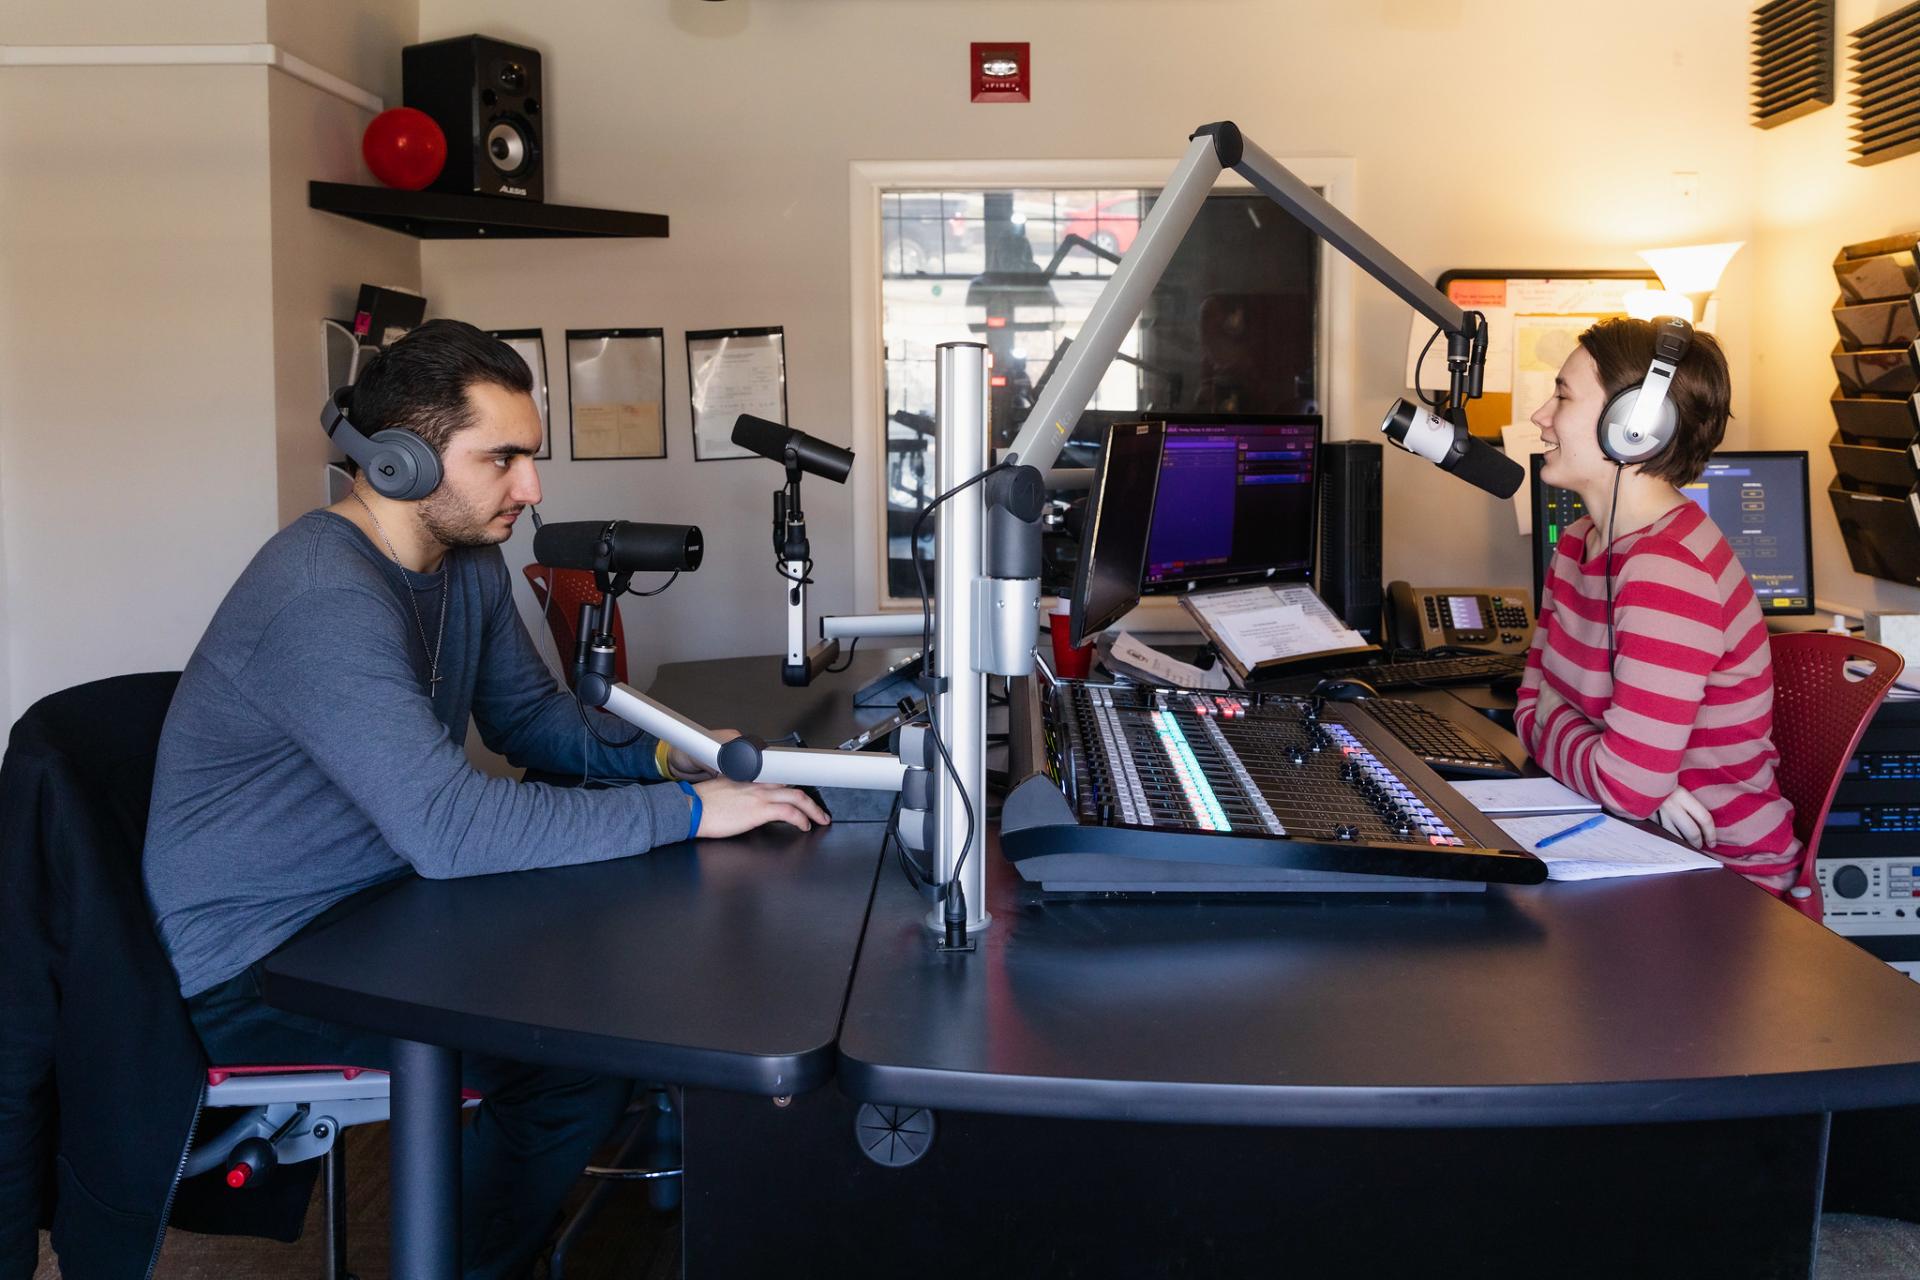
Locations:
426 1161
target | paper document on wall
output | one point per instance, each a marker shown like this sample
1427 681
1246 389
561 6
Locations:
1266 624
1614 848
1129 655
1522 440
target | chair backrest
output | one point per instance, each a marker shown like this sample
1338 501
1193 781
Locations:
1819 715
560 593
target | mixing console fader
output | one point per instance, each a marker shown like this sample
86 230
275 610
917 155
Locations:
1160 789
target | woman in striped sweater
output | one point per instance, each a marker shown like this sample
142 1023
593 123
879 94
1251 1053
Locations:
1649 687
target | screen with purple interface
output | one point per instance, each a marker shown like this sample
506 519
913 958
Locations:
1237 501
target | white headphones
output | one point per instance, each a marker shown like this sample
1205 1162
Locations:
1639 421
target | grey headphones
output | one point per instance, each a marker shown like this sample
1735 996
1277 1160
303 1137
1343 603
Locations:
1640 421
398 463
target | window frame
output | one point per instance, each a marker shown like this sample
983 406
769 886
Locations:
1333 176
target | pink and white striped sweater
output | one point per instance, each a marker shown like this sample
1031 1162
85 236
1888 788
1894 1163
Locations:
1687 699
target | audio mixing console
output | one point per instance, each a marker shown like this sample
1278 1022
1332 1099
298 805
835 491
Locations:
1141 789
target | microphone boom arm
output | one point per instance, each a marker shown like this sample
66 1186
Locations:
1214 148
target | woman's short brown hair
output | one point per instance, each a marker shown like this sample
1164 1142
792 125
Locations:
1622 349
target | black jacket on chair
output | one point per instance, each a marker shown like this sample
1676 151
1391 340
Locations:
100 1071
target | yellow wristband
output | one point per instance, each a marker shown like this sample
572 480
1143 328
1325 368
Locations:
663 760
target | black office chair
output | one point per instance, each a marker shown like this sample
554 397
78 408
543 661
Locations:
111 1048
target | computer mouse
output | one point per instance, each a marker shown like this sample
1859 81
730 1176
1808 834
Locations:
1504 686
1346 689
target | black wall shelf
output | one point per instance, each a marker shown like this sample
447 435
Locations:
437 215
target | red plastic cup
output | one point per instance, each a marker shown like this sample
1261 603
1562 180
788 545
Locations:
1068 662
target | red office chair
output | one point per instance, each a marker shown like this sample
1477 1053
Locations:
560 593
1819 715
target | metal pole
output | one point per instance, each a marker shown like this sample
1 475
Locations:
425 1161
1313 211
960 395
1117 308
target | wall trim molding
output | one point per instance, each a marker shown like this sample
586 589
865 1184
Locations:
189 55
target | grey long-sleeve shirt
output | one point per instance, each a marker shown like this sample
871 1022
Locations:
303 759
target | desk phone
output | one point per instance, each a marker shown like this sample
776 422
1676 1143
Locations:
1495 619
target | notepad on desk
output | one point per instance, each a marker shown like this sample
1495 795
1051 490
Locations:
1611 848
1266 627
1500 796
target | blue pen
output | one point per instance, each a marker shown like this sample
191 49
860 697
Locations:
1573 830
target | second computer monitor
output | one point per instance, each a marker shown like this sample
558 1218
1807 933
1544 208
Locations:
1758 499
1113 546
1237 501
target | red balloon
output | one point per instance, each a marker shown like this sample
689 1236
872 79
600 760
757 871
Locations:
404 148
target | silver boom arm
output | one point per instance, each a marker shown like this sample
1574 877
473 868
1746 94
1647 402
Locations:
1214 147
792 766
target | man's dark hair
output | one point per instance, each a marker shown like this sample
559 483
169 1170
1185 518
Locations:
1701 391
420 382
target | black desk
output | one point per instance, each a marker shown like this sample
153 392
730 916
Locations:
1589 1078
721 963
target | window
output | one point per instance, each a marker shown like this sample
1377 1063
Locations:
1234 325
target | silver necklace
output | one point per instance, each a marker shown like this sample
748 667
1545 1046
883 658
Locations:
433 654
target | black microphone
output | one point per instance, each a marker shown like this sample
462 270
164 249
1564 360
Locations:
771 440
618 546
1452 448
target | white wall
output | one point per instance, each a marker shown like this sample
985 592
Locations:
162 284
740 121
136 450
1811 201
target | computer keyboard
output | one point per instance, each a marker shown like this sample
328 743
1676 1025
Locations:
1473 668
1445 749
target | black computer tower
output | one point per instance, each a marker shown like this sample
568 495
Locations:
1350 536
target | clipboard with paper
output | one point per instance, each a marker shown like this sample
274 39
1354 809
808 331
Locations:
1271 629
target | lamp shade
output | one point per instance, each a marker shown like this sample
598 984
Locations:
1693 268
1650 304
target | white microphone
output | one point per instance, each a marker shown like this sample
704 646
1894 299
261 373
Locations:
1452 448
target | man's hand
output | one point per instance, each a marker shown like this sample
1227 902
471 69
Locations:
728 808
685 766
1684 816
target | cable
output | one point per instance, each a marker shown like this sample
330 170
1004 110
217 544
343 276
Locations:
851 646
581 707
1613 507
926 646
642 595
909 865
1434 403
806 571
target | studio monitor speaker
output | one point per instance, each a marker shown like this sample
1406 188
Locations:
485 95
1350 478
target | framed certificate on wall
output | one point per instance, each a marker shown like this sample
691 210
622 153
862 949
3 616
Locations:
531 346
616 393
731 372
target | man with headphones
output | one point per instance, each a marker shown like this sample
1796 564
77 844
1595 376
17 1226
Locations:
1649 687
315 747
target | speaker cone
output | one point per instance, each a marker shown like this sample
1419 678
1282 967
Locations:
507 147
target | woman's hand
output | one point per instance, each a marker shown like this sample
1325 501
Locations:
685 766
728 808
1684 816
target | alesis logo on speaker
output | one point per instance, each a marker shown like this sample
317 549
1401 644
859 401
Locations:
485 95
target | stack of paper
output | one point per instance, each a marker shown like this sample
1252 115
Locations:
1255 626
1524 795
1612 848
1129 656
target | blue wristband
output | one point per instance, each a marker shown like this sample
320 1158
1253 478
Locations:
693 826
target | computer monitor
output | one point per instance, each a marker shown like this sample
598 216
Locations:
1113 546
1238 501
1757 498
